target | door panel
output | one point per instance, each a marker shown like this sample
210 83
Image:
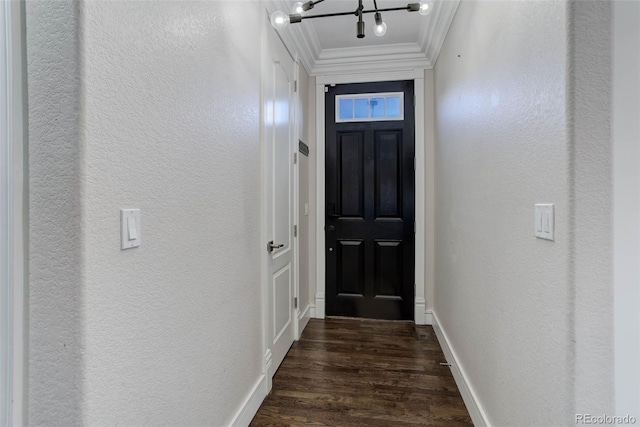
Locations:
388 164
351 267
370 181
279 173
388 269
281 301
351 174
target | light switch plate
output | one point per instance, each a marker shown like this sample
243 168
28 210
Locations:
130 228
544 221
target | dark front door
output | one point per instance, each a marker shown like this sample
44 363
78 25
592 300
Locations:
369 223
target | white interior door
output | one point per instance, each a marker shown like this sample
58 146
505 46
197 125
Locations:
279 171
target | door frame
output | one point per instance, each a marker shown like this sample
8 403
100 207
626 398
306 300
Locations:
418 76
266 180
13 219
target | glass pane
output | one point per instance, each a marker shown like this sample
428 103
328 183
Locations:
346 109
377 107
393 106
362 108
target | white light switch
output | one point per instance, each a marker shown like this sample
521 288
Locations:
544 221
130 228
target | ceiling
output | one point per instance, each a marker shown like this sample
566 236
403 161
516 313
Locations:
330 46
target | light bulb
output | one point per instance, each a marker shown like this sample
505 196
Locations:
425 7
380 29
279 20
297 8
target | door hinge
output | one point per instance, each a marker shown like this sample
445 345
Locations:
415 227
414 163
295 302
295 158
414 100
295 231
326 89
295 85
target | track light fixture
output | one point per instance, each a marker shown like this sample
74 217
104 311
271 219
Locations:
280 20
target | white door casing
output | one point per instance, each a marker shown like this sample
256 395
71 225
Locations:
279 173
421 313
12 216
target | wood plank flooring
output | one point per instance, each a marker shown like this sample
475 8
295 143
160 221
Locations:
352 372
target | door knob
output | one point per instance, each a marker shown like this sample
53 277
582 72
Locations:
332 228
271 246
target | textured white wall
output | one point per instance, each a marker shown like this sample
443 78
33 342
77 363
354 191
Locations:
523 116
165 118
502 295
55 240
589 103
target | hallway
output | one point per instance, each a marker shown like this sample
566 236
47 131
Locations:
351 372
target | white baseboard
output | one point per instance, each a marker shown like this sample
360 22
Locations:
419 311
303 319
319 311
428 317
312 311
477 413
251 404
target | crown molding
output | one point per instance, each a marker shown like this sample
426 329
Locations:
432 37
371 58
302 42
298 38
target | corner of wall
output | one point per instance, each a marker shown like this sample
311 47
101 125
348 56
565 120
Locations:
589 128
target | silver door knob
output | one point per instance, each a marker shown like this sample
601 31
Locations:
330 249
271 246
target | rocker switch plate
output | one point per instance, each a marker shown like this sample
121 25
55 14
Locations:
544 221
130 228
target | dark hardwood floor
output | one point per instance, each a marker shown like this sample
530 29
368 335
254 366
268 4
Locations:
351 372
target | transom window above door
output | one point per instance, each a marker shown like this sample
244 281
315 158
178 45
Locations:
369 107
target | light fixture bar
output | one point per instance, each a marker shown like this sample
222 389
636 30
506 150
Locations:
411 7
280 19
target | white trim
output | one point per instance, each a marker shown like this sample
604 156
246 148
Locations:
302 38
417 75
312 311
420 307
428 317
431 42
296 191
251 404
264 269
420 195
372 58
303 320
470 397
299 38
12 267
